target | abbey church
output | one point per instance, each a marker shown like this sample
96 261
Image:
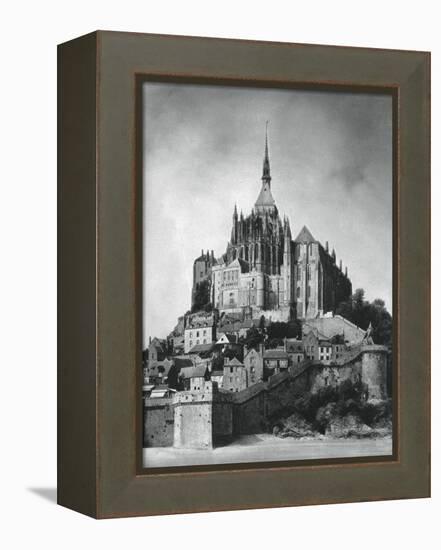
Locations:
265 272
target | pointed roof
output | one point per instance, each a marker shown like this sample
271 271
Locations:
233 362
266 176
238 262
265 197
305 236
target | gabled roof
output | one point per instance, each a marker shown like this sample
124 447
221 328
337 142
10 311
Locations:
217 373
181 362
305 236
294 346
242 264
265 197
275 354
234 363
156 367
158 343
227 338
252 350
200 348
193 372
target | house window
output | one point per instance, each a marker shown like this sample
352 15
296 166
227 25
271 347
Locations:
197 334
253 369
298 292
205 340
231 369
191 344
197 342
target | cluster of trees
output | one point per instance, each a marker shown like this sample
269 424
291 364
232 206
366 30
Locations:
361 312
331 403
272 334
357 309
201 299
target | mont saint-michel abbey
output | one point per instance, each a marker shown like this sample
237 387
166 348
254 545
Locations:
265 272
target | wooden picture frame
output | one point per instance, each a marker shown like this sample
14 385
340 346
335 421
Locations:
99 430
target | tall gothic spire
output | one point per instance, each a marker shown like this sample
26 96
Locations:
265 202
266 176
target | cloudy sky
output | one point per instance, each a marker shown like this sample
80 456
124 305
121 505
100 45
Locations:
331 168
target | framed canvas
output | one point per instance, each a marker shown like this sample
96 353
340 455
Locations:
244 274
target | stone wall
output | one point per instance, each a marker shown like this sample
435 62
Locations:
201 419
374 371
193 418
368 365
158 422
222 419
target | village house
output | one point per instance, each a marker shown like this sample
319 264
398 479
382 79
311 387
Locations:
275 361
217 377
157 349
235 324
156 372
235 376
295 350
200 330
187 374
228 344
326 349
178 344
253 363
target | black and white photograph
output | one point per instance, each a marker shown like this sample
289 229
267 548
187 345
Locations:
267 274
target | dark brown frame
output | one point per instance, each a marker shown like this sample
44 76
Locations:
99 469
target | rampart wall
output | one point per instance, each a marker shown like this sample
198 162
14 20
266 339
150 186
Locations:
201 420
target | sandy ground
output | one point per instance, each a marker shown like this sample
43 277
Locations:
266 447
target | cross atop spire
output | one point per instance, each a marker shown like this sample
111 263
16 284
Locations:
266 177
